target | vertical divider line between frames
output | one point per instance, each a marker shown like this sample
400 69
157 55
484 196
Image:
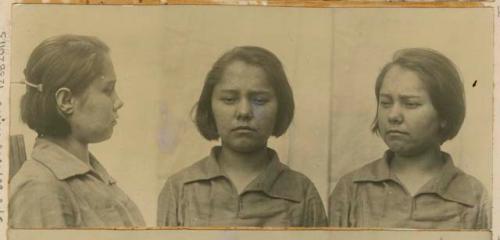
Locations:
496 125
331 117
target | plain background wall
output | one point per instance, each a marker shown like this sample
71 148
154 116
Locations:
331 57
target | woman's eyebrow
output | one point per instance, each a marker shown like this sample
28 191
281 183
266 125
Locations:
228 91
251 92
402 96
409 96
260 91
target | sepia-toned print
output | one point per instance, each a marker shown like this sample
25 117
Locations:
192 118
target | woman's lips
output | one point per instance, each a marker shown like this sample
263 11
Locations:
243 129
396 132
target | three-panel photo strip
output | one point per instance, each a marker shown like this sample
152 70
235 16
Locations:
244 122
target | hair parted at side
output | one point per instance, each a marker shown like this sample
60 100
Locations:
70 61
442 81
275 73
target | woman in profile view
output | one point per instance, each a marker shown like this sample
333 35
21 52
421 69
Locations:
420 105
245 100
70 102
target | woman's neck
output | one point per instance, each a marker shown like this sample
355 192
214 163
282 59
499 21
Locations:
73 146
415 171
426 161
242 168
243 162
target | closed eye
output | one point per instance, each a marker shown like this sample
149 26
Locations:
228 100
385 104
109 90
412 105
260 100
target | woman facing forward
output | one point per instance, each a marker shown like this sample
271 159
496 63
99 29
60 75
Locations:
70 102
414 185
246 99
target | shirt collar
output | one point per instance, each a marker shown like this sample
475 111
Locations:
64 164
448 184
443 185
209 168
376 171
267 181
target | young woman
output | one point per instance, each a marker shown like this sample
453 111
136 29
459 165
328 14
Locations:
421 105
246 99
70 102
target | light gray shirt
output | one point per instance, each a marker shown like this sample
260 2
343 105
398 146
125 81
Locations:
54 189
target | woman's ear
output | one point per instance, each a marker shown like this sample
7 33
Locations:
64 101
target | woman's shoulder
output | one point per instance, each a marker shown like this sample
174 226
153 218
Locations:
34 177
464 178
291 179
372 170
464 184
33 171
294 185
198 170
290 175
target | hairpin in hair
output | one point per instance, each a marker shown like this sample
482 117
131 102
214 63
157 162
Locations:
38 87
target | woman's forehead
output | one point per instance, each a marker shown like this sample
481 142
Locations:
240 67
242 76
399 79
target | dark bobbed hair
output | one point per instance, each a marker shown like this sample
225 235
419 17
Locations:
442 82
275 73
70 61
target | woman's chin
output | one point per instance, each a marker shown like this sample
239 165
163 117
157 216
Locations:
406 151
101 137
399 148
246 147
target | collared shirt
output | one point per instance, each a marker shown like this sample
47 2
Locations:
54 189
202 195
374 197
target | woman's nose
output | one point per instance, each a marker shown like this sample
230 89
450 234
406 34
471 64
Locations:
244 110
118 103
395 114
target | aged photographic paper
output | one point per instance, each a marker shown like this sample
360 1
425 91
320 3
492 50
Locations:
161 57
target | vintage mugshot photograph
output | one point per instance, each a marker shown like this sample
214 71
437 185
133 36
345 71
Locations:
244 122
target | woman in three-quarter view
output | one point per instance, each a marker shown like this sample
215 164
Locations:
70 102
246 98
420 105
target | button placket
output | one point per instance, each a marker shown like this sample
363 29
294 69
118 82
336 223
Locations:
240 206
413 203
